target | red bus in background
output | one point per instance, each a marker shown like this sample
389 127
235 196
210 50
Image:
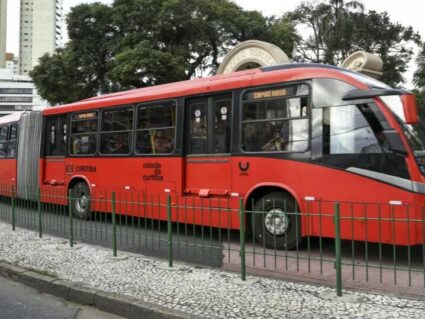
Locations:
280 137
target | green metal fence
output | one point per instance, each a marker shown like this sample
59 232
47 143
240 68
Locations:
129 221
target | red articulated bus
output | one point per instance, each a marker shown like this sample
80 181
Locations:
280 137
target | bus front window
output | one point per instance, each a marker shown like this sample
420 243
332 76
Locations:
415 133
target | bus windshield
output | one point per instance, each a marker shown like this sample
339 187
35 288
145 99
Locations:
416 137
415 133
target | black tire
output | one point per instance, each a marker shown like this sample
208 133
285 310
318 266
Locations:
276 223
81 201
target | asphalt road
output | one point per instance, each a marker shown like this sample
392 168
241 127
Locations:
20 302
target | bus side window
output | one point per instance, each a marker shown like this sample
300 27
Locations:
84 129
3 141
348 131
275 119
13 136
116 137
156 128
353 137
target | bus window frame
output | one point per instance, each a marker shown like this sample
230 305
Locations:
132 131
136 129
306 82
216 97
70 120
17 138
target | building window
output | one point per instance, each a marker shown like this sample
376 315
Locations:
15 91
16 99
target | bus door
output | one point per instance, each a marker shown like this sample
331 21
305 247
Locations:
208 162
55 141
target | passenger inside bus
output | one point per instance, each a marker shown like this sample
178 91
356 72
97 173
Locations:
3 148
77 145
11 150
274 144
381 145
164 141
272 138
119 145
83 144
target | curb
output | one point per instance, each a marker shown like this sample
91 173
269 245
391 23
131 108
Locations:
121 305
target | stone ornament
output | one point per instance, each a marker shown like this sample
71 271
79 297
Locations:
364 62
252 54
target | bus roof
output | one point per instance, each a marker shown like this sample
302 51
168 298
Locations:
14 117
217 83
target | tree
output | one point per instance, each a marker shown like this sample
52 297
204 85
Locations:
58 81
79 70
137 43
337 28
92 32
419 75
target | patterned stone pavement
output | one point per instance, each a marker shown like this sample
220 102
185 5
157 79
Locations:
202 292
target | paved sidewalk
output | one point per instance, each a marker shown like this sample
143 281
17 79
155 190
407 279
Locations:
141 285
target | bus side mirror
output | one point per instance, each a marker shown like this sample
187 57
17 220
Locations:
410 108
395 142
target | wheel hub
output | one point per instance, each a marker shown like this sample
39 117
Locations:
82 202
276 221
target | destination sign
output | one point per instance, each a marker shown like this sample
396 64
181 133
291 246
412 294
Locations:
85 116
256 95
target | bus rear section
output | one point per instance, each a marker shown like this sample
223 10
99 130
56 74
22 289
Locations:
8 153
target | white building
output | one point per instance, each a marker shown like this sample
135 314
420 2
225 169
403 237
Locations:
12 63
41 31
3 15
17 93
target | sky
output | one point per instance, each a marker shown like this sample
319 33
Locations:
399 11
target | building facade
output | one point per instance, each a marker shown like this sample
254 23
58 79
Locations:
17 93
12 63
41 31
3 15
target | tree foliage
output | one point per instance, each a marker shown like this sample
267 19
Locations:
337 28
419 75
420 101
136 43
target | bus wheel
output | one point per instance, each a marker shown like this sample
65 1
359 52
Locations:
81 201
277 224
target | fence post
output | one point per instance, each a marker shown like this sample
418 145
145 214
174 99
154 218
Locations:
170 232
71 219
242 238
40 227
337 222
114 226
13 209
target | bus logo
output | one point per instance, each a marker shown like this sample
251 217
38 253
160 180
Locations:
243 166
